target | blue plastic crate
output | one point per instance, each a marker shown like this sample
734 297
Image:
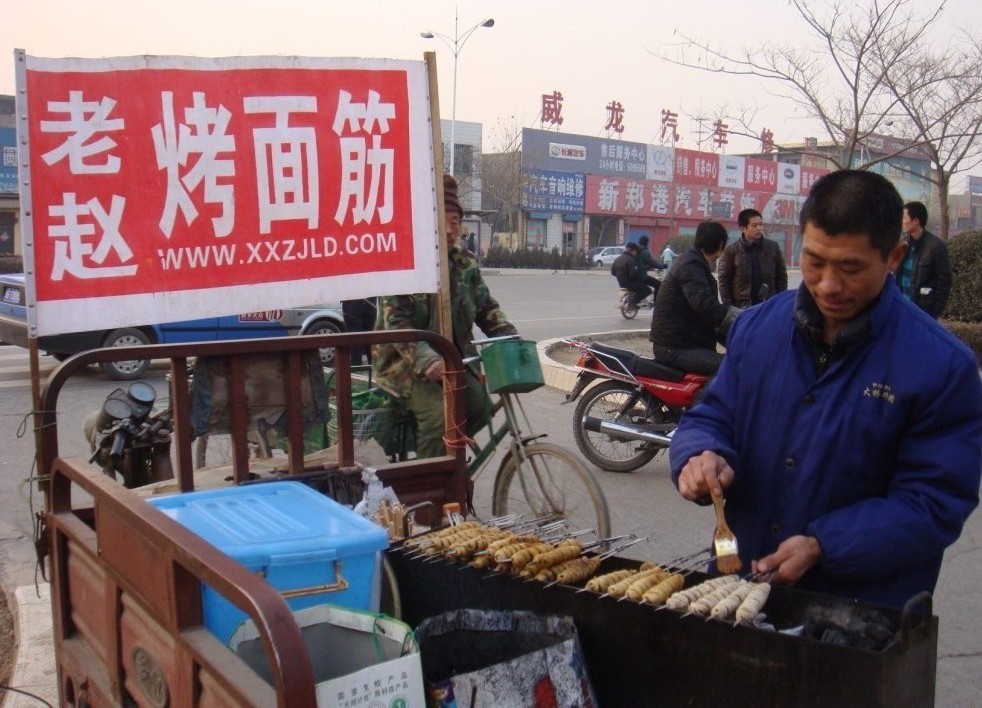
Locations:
303 543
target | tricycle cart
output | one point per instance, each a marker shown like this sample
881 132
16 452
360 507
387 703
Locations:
127 589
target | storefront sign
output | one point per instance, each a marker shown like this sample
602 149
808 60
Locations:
693 167
731 170
548 190
661 163
627 197
788 178
8 161
170 188
580 153
810 175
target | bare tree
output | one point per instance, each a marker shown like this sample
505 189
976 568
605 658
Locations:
940 98
502 176
842 81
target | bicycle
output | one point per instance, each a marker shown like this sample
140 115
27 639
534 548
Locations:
534 478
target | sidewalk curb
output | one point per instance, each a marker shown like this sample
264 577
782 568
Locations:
35 670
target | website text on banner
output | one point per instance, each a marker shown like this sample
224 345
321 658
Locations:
169 188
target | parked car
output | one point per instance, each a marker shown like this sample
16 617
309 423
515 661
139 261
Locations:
315 319
604 256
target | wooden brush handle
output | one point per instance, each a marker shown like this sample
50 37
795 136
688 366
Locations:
718 506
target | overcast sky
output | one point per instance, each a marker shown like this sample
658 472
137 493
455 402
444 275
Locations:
592 52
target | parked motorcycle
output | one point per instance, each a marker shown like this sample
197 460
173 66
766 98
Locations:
129 438
629 414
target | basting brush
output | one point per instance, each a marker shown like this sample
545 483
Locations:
724 540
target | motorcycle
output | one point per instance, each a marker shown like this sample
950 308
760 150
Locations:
629 308
129 438
630 413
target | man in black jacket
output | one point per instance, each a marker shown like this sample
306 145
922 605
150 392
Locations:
689 319
750 263
924 275
627 269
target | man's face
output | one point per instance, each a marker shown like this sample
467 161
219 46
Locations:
453 228
755 229
844 274
910 226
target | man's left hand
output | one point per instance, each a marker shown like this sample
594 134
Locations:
792 559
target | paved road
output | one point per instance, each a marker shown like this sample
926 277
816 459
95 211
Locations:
543 306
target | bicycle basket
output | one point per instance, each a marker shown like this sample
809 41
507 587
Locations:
512 366
374 416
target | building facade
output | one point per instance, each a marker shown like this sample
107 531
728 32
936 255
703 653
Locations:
10 240
581 191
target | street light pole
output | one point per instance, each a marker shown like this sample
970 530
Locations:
455 45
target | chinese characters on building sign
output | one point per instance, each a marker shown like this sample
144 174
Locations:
719 133
552 108
615 117
766 141
549 190
669 126
173 179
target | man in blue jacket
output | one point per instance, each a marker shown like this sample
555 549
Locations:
848 464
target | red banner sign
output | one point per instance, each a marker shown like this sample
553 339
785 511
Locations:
694 167
170 188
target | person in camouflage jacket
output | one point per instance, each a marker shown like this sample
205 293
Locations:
413 372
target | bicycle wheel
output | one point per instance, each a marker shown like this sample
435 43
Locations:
551 482
616 402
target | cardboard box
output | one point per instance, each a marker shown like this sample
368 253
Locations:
359 659
303 543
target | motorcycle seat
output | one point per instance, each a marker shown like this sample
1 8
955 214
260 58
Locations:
639 365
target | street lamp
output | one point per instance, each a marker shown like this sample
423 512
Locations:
455 44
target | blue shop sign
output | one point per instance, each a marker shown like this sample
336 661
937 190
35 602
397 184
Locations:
550 190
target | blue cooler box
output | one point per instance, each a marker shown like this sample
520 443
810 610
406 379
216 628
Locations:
306 545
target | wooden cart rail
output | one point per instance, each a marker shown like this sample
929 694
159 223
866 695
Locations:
127 580
413 476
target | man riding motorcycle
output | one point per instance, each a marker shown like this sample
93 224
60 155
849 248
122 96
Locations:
648 262
627 269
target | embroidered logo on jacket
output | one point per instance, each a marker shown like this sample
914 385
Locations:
879 390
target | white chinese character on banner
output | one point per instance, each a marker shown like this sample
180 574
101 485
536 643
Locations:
287 174
607 194
85 119
635 196
682 203
728 197
747 201
703 204
659 199
357 158
74 252
203 134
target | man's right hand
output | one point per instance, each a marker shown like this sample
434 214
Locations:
434 372
705 474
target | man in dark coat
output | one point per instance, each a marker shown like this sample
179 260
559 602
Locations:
689 319
924 275
750 263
